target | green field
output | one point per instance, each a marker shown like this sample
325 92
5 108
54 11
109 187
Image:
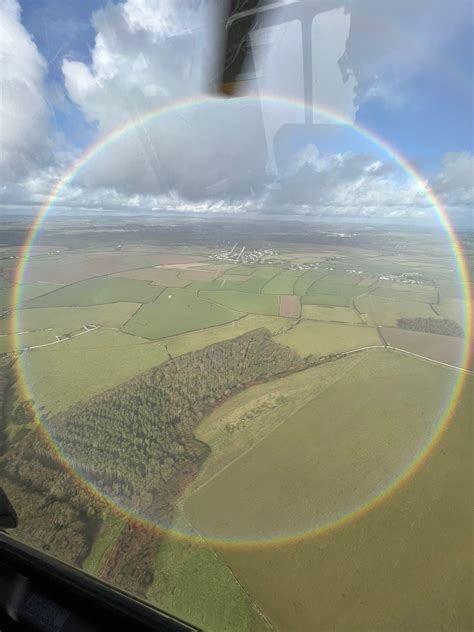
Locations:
452 308
106 359
9 343
254 283
193 341
28 291
193 583
176 311
244 302
302 285
385 311
245 419
327 286
428 295
327 299
450 289
280 284
66 319
99 291
322 338
331 314
404 565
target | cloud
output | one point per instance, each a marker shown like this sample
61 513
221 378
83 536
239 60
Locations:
391 43
347 184
220 155
455 181
24 143
148 55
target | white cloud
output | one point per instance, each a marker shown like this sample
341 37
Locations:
347 184
24 112
148 54
217 156
455 181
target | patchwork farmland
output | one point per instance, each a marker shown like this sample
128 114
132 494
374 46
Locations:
281 454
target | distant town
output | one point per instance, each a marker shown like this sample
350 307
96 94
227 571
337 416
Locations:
240 254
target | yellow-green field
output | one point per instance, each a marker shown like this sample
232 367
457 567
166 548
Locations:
327 299
99 291
194 583
240 422
176 311
404 565
193 341
27 291
331 314
308 337
67 319
11 343
64 374
385 311
243 301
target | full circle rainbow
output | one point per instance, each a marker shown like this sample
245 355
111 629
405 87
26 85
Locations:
461 268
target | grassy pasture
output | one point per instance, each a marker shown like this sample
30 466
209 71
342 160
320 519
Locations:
385 311
367 282
331 314
28 291
193 341
8 343
167 277
244 302
337 278
280 284
99 291
404 565
414 294
322 338
327 299
193 583
302 285
66 319
450 289
338 289
176 311
253 284
105 360
452 308
246 418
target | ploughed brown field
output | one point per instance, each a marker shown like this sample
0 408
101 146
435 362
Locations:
290 306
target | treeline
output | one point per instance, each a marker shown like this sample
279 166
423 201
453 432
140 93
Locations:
441 326
136 441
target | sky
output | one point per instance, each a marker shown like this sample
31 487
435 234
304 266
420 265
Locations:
73 72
